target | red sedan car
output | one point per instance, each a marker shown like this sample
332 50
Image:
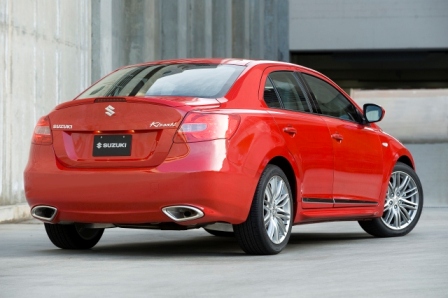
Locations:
237 147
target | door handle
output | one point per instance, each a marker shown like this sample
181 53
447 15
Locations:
290 130
337 137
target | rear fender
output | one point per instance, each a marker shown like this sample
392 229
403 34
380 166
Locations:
257 142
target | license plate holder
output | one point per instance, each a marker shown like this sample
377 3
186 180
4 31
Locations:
112 145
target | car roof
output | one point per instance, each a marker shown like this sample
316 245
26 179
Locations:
231 61
228 61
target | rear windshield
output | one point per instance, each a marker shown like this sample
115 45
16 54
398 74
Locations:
196 80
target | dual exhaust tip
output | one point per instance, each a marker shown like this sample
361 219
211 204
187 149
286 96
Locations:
45 213
182 213
176 213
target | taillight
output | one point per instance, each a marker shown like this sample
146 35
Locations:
42 132
198 127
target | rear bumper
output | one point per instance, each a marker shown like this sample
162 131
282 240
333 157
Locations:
220 189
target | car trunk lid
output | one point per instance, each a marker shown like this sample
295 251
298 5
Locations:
116 132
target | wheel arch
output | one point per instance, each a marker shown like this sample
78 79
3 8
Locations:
287 168
406 160
395 152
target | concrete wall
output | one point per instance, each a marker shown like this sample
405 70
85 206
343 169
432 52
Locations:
144 30
368 24
50 50
44 59
431 161
412 116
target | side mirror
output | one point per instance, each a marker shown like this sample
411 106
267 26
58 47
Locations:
373 112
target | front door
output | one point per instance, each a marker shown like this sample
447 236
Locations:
358 165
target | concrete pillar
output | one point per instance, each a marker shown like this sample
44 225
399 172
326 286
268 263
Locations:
152 30
112 40
169 29
182 29
256 29
282 21
270 30
102 36
240 28
208 22
96 55
221 29
197 34
134 32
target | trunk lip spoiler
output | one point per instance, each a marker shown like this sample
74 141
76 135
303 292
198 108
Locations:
171 101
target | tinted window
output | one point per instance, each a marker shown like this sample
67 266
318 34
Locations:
269 95
331 101
289 90
196 80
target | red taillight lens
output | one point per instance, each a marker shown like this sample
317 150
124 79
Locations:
198 127
42 132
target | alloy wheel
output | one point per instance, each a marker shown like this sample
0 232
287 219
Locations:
276 209
402 200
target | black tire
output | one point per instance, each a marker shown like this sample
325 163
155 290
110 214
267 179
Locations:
220 233
252 235
379 227
72 236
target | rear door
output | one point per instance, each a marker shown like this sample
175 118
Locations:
306 136
358 160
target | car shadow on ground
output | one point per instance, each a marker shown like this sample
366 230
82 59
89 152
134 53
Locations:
316 238
205 245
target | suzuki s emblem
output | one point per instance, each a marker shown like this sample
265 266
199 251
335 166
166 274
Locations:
110 110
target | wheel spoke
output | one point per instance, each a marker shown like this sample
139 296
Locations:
398 219
404 184
389 217
409 202
275 226
409 190
270 228
283 200
405 214
391 181
411 195
268 195
278 190
409 207
281 227
393 177
282 214
266 219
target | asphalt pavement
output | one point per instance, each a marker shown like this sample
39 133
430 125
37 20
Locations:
322 260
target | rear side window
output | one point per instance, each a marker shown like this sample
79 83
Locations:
331 101
269 95
291 95
195 80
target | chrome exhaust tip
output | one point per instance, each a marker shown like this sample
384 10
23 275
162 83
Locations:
45 213
182 213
